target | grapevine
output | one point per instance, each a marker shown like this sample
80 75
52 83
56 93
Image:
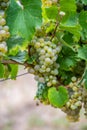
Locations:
49 38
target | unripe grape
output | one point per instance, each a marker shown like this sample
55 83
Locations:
58 49
55 72
37 45
31 71
75 88
54 82
42 52
49 84
54 46
46 48
48 69
51 77
41 40
2 33
41 79
54 59
78 103
36 78
2 22
6 28
48 60
68 104
73 107
37 67
73 79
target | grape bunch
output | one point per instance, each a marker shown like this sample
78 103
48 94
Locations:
46 68
4 30
73 106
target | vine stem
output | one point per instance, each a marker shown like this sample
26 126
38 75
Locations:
57 24
6 62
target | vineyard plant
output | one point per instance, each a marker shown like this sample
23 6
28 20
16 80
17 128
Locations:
49 38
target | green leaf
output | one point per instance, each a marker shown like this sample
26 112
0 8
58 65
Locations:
7 71
2 70
83 23
58 98
71 24
31 60
82 52
20 57
14 71
68 6
68 59
23 19
68 38
14 41
65 76
52 12
84 2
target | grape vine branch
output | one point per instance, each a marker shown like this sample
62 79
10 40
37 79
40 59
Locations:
6 62
49 38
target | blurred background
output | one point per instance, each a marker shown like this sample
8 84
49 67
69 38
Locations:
19 110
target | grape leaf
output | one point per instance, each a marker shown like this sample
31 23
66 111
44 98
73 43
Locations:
71 24
68 6
68 38
20 57
31 60
2 69
14 71
24 18
82 52
68 59
58 98
83 23
14 41
52 12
